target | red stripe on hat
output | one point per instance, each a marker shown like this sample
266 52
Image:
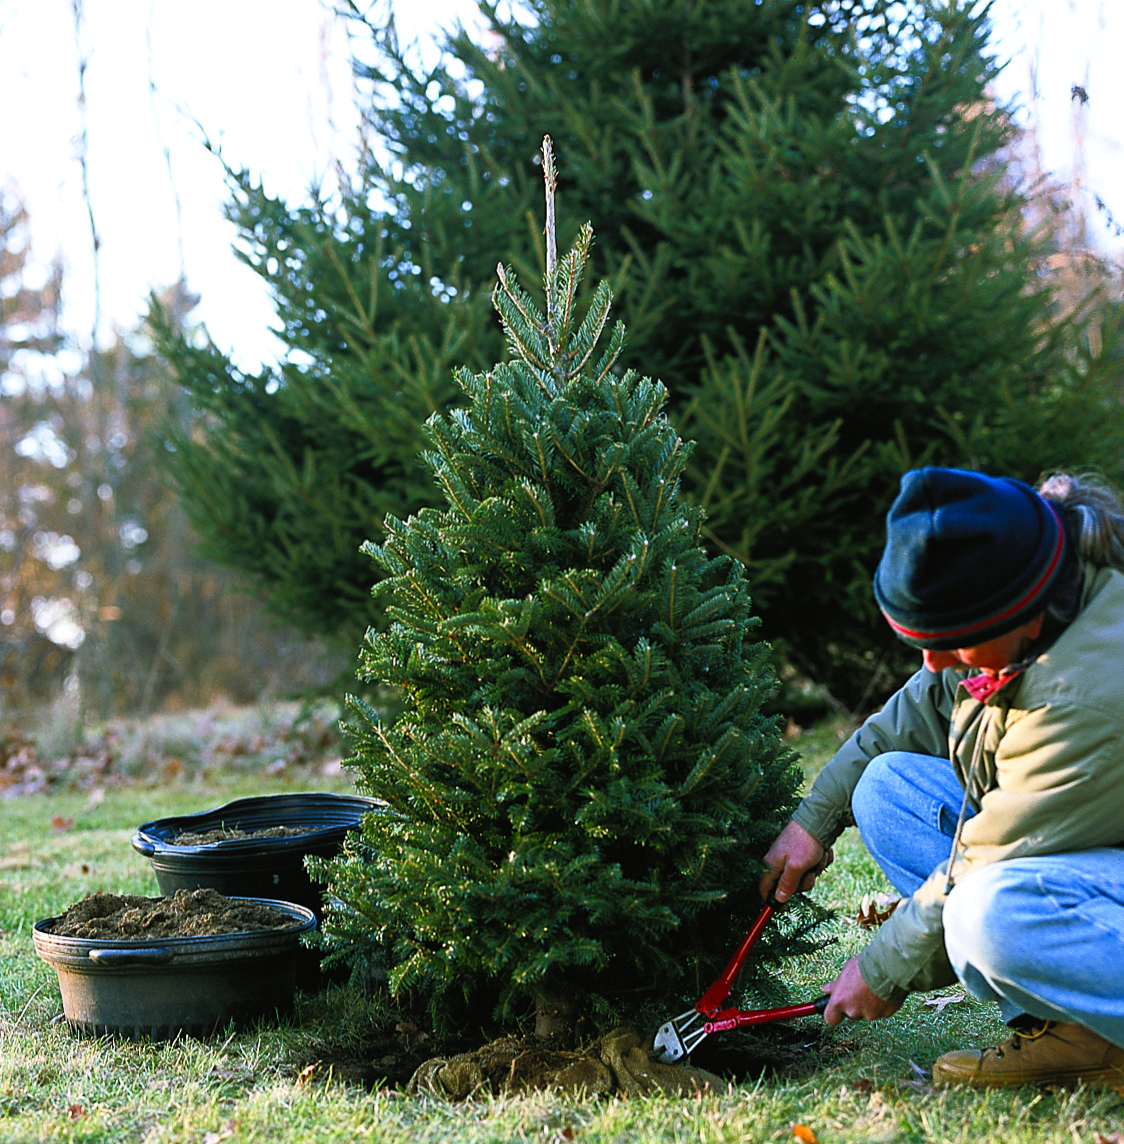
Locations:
991 621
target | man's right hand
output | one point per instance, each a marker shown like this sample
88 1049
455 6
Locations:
794 862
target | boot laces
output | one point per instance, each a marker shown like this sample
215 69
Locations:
1015 1043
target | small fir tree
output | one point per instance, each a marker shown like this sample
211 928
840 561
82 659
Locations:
581 782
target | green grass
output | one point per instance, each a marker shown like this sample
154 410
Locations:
868 1085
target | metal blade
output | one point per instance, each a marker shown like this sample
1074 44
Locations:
669 1045
679 1038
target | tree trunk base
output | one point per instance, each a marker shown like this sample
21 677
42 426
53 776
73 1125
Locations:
556 1018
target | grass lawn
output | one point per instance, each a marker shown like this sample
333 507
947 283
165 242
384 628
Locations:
66 837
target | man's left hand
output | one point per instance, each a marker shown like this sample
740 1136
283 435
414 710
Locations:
852 997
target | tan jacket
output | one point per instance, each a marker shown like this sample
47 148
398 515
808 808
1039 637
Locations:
1048 776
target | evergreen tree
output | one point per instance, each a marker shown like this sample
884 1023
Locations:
284 474
581 782
802 212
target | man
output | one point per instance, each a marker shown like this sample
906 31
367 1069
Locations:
990 788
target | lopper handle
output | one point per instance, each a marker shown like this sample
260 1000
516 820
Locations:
740 1018
715 997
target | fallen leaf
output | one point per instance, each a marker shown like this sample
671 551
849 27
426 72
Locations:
308 1072
939 1003
804 1134
59 824
873 911
224 1133
172 769
921 1080
231 1074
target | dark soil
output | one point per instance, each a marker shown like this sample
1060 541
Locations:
377 1057
231 833
406 1058
187 913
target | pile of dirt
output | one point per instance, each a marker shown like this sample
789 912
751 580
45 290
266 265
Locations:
187 913
233 833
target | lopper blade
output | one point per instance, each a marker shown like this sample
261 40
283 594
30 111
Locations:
678 1038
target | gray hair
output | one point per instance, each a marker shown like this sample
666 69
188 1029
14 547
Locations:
1094 524
1094 517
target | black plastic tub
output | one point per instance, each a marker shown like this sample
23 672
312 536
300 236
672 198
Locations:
159 988
253 867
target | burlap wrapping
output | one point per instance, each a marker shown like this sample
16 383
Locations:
618 1062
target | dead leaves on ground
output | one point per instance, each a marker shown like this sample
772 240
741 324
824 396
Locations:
23 770
226 1132
875 909
279 751
940 1003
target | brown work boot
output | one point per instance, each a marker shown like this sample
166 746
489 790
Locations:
1049 1052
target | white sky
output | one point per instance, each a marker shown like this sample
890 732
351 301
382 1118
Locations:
1055 46
269 81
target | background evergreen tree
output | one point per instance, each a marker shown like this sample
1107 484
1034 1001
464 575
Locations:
284 474
582 782
804 212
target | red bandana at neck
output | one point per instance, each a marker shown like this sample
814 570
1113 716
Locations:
983 687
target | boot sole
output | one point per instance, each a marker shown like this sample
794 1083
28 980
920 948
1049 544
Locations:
1099 1078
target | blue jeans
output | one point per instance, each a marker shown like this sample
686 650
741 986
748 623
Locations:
1041 935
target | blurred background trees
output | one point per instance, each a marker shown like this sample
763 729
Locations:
101 590
817 234
29 659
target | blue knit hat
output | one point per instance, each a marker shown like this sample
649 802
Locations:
968 558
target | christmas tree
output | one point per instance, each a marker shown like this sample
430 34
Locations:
580 782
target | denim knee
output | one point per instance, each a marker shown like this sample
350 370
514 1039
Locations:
883 798
877 789
977 922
